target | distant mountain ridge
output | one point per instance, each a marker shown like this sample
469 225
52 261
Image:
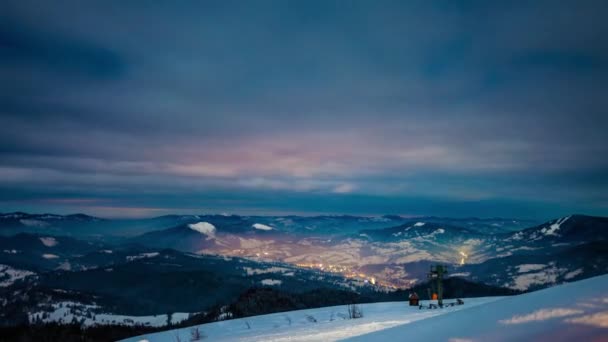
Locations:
388 249
190 263
85 225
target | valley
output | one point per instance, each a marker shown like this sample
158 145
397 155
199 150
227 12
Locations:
204 268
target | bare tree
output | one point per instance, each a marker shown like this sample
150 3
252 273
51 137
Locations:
354 311
196 335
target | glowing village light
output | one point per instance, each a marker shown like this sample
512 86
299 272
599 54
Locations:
464 257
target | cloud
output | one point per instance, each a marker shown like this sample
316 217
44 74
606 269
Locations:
440 102
344 188
58 54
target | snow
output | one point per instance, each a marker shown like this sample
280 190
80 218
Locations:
331 324
517 236
569 312
547 275
461 274
64 266
573 274
66 312
419 224
260 226
142 256
271 282
49 241
530 267
523 282
52 217
204 228
253 271
13 215
9 275
49 256
34 223
552 230
573 311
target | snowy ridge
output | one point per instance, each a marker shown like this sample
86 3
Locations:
572 311
322 324
553 228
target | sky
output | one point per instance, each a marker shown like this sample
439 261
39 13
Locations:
447 108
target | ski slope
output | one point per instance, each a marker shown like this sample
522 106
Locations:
331 323
571 312
574 311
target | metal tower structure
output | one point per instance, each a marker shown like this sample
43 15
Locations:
436 277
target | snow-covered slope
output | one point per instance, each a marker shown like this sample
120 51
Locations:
322 324
9 275
571 312
90 315
574 311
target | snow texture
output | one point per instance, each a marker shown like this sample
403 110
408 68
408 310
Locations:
573 274
253 271
205 228
260 226
574 311
545 275
271 282
142 256
67 312
50 256
552 230
34 223
9 275
530 267
331 324
49 241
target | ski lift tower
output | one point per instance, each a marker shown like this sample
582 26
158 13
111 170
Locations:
436 276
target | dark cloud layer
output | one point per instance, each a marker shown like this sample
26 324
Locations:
470 108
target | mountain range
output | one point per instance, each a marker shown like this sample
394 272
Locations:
193 263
